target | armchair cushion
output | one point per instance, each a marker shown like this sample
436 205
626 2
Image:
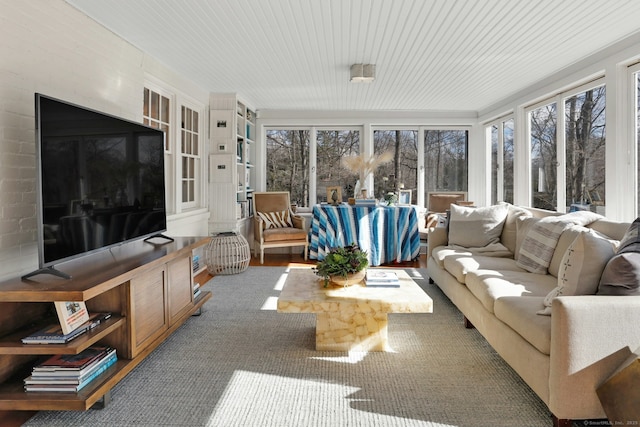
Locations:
284 234
276 219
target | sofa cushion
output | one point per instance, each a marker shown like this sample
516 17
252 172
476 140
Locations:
566 239
520 314
489 285
459 265
581 266
276 219
523 225
510 229
476 227
441 252
542 237
621 275
539 244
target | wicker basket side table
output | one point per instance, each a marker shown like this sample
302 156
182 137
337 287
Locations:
227 253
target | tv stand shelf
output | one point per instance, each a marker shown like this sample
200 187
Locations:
149 290
12 344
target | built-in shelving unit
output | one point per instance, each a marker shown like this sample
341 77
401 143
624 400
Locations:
231 164
147 288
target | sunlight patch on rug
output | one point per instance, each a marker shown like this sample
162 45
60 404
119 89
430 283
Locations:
243 400
352 358
271 303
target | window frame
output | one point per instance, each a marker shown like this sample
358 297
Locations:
561 161
173 149
499 123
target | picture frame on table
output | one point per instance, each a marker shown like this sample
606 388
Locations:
404 197
338 191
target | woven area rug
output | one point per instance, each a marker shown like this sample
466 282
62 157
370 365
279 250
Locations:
241 363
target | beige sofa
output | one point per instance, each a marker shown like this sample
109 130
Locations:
563 356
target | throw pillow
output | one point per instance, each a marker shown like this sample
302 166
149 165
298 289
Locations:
621 276
581 266
276 219
510 229
539 244
523 225
476 227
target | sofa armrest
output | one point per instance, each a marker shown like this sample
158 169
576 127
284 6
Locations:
437 237
590 337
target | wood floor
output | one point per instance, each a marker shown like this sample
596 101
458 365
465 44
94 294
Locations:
17 418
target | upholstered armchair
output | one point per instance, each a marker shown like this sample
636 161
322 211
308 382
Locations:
275 225
439 203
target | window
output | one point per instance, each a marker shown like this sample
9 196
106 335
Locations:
501 134
543 123
306 171
636 94
445 160
585 150
578 145
190 153
288 163
331 147
156 114
401 173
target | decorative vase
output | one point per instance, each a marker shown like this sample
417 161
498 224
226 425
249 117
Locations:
356 190
351 279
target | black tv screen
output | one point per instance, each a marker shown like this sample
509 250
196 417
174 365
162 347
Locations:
101 180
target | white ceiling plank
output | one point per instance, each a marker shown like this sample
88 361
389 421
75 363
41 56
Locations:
430 55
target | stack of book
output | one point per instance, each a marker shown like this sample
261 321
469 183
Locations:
196 290
70 372
53 334
196 263
381 278
366 202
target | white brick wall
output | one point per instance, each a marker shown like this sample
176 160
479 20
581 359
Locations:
47 46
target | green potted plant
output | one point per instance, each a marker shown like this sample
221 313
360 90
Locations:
343 265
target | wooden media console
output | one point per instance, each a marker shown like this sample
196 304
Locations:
147 287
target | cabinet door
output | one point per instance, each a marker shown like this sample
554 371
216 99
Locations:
180 289
148 316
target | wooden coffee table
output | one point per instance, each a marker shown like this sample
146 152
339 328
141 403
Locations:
351 318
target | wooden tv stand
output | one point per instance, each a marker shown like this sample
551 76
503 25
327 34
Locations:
147 287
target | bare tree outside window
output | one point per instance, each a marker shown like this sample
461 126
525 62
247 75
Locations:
638 133
403 171
502 161
584 131
288 163
445 160
508 160
585 150
543 122
332 146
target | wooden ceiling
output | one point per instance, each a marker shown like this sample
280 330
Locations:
430 55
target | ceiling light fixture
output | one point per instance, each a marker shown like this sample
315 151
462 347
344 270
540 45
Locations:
363 73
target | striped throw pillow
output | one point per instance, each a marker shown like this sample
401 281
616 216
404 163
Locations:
276 219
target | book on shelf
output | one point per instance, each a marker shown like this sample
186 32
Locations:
71 314
196 263
381 278
53 334
69 384
196 290
74 364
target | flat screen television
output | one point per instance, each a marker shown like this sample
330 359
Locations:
101 182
